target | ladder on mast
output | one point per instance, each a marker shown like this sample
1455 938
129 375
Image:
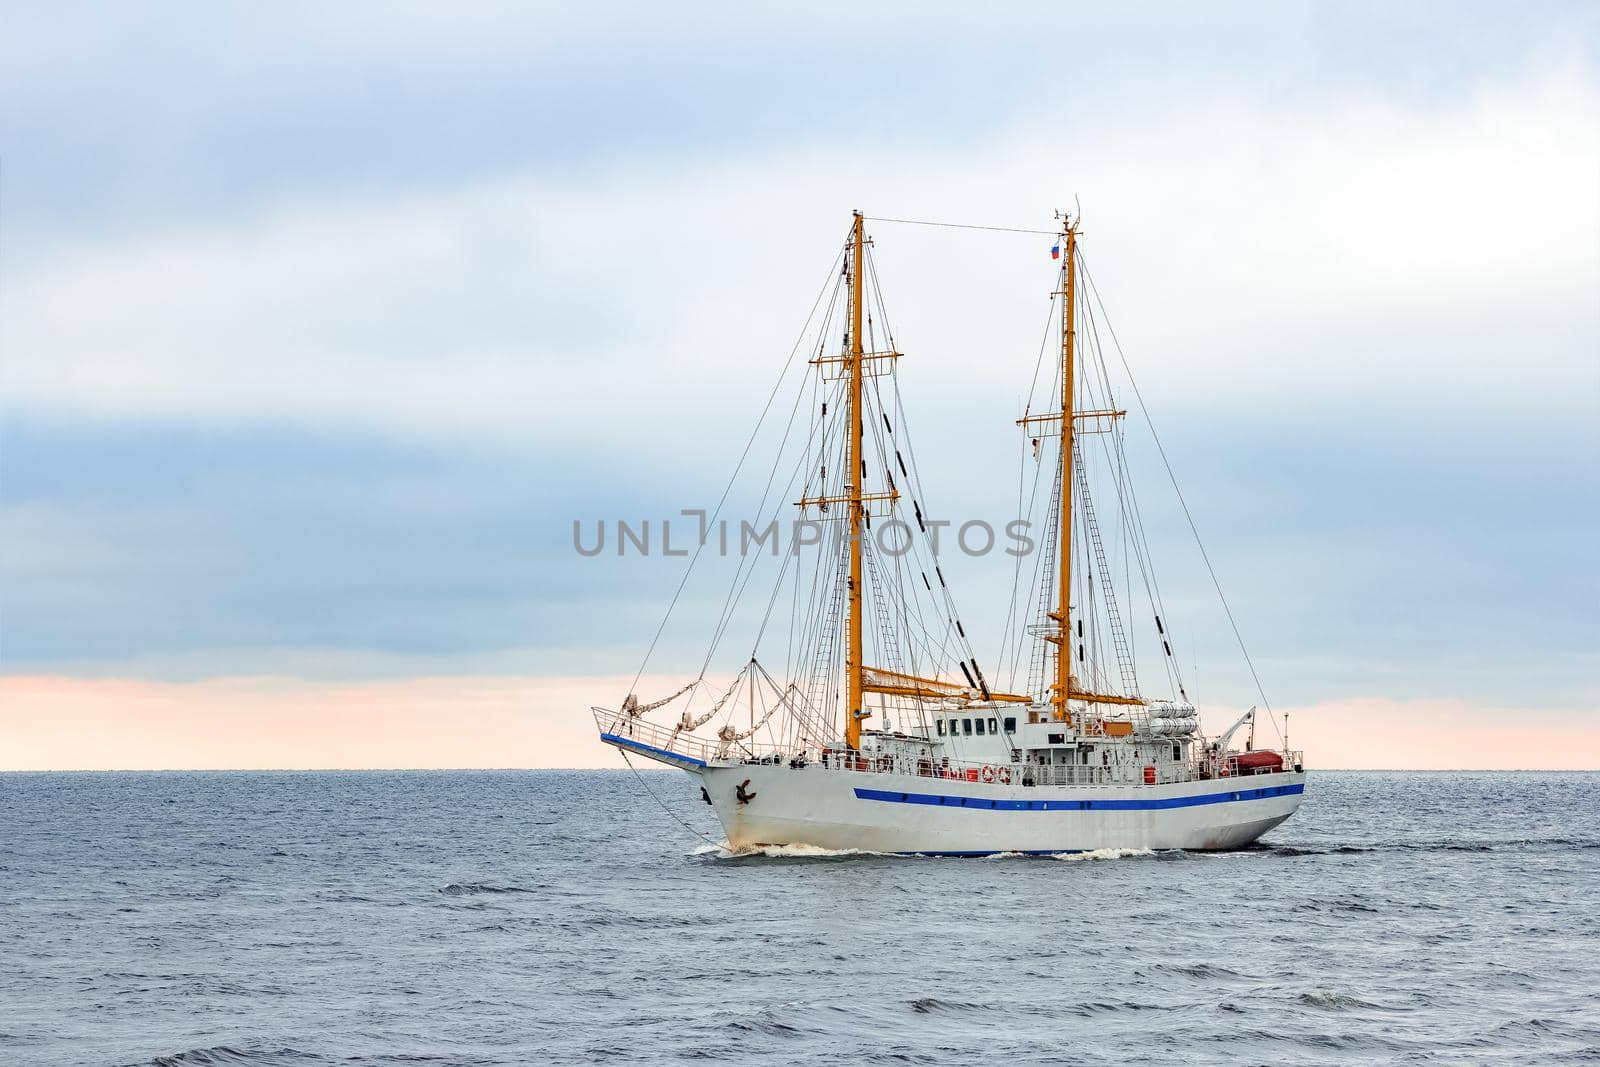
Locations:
1119 638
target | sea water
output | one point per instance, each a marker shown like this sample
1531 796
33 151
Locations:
301 919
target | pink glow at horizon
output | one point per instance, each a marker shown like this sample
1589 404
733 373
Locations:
57 723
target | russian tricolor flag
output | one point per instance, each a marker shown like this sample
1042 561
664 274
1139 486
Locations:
1055 251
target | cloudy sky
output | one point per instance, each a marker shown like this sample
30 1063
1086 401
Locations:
317 332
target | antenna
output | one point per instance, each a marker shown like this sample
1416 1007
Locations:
1071 217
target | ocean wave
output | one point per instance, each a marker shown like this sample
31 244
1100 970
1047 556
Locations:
1336 1001
1204 971
1356 848
227 1056
767 1026
465 889
932 1005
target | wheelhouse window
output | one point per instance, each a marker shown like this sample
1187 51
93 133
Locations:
980 727
939 725
1057 739
1011 724
966 726
994 727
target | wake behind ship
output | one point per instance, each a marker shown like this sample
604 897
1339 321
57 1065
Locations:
881 731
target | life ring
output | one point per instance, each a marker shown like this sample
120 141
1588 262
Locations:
988 773
1004 775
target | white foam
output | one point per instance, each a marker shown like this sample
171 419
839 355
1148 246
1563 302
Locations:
805 852
1106 854
810 852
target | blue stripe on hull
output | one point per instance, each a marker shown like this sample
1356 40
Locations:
640 746
1155 803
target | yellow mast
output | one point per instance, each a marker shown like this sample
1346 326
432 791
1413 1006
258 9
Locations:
1063 617
854 669
1063 687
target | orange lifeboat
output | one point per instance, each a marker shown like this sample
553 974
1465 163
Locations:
1258 763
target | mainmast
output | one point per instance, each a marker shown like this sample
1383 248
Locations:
854 669
1063 615
1060 633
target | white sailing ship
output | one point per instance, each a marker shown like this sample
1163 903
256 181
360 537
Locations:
881 732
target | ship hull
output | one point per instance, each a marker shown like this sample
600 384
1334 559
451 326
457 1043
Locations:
896 813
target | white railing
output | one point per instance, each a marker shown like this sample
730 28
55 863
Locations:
1025 772
675 741
1229 766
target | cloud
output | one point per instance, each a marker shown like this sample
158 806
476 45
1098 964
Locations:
1313 250
178 114
369 421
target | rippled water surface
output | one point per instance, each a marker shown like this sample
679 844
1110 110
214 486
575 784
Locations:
510 918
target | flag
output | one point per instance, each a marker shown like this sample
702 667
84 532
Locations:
1055 251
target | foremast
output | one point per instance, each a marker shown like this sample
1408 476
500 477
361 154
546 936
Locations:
859 679
853 360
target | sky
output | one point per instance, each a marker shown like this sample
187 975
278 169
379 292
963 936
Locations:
319 329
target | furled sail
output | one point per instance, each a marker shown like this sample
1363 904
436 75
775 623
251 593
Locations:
686 724
730 735
632 709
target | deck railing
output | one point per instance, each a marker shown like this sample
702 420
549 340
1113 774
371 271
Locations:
1025 772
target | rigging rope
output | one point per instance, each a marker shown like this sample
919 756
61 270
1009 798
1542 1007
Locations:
1193 529
679 818
1014 615
689 569
962 226
1132 517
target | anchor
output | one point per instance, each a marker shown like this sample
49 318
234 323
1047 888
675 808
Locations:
743 795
